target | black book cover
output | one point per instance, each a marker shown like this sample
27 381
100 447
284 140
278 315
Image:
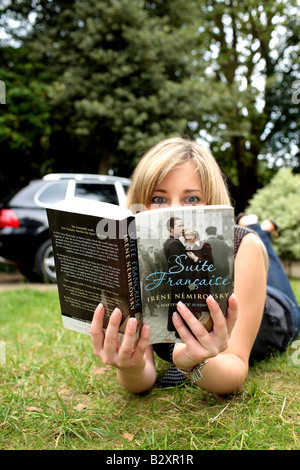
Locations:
92 267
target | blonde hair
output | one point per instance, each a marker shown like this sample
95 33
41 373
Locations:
170 153
192 232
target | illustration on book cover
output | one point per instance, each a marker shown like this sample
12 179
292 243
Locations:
184 256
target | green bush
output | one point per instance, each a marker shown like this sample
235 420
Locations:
280 200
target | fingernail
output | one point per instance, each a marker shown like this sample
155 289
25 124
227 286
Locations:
175 314
132 321
117 311
180 304
99 307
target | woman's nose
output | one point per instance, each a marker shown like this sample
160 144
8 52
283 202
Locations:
175 202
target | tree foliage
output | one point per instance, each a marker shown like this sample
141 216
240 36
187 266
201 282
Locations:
23 121
252 48
280 201
123 77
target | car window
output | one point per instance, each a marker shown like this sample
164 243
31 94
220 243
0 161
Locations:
99 192
25 197
53 193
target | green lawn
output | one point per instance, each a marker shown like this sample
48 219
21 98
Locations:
55 394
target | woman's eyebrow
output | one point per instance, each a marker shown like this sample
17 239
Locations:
185 190
192 190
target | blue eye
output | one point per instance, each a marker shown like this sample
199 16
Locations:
158 200
192 199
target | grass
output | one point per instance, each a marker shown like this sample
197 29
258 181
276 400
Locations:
55 394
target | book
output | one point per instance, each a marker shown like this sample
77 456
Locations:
143 264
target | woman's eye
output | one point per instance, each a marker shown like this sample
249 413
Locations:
192 200
158 200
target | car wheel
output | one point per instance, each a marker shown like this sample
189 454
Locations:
44 262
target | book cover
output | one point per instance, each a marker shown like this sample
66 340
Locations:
185 254
143 264
96 261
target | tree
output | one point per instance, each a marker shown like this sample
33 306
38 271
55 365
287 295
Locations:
280 200
282 139
124 77
247 112
23 121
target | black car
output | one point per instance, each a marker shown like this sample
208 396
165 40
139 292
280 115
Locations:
24 231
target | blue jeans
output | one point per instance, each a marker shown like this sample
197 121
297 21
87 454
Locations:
276 275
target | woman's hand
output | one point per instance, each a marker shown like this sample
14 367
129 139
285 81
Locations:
134 363
127 356
203 344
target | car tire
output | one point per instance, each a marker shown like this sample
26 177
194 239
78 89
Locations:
44 262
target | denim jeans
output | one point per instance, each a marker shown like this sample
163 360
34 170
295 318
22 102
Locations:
276 275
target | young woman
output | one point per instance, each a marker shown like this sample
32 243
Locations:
174 173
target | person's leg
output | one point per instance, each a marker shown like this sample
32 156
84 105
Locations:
277 277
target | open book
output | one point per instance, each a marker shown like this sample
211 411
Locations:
143 263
